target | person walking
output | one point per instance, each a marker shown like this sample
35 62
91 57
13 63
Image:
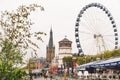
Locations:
46 75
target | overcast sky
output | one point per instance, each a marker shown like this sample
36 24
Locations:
61 16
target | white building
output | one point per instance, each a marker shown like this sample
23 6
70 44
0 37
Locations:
65 48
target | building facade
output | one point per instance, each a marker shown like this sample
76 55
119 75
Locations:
36 64
50 48
65 48
39 63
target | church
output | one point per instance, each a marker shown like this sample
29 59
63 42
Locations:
50 48
65 49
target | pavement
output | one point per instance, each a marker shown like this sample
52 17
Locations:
42 78
57 78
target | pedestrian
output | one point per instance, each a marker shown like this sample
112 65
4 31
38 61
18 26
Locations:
51 77
46 74
40 74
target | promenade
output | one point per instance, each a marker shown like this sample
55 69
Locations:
56 78
42 78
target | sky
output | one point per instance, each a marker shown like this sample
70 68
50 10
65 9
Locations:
60 15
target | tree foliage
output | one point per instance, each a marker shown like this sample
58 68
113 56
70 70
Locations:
105 55
80 61
9 52
88 58
115 53
15 39
67 61
15 34
16 25
8 72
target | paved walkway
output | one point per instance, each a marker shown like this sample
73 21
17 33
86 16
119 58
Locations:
58 78
42 78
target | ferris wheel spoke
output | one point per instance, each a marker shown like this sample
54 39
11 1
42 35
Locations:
89 20
85 39
89 49
87 26
107 31
86 32
93 49
108 35
93 20
108 40
102 24
108 44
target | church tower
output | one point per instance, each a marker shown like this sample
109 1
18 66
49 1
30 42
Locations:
50 48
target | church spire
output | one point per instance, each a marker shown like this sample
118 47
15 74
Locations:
50 48
51 39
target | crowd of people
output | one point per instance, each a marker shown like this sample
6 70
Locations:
51 75
43 73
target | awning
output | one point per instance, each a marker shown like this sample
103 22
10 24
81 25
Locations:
101 63
87 65
108 62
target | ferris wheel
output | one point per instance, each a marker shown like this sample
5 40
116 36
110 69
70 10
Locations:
95 30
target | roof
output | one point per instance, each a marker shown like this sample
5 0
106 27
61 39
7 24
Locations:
65 40
87 65
34 59
109 62
50 44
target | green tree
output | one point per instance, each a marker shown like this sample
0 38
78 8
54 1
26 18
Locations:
8 72
9 52
87 58
80 60
83 59
15 39
107 54
15 30
67 61
97 56
116 53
